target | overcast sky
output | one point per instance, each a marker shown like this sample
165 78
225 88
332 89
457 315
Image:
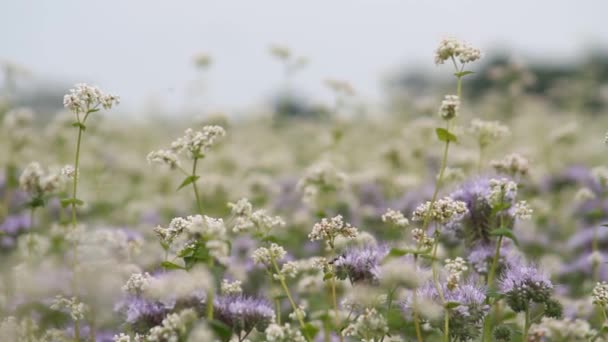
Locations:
142 49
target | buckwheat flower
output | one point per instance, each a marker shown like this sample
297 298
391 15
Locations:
402 272
137 283
265 255
68 171
201 332
600 294
264 222
283 333
369 326
167 235
165 157
584 194
450 48
329 229
179 284
242 314
488 132
522 285
512 165
551 329
205 226
455 269
449 107
289 269
452 174
395 217
444 211
231 288
241 211
197 143
360 264
320 178
174 327
523 210
422 239
84 98
29 180
501 191
72 306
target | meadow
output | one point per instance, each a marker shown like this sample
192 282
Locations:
457 217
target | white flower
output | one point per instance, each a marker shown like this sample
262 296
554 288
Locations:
600 294
164 157
449 107
371 326
395 217
451 48
328 230
512 164
444 210
523 210
72 306
455 269
196 143
228 288
501 191
266 256
68 171
84 98
137 283
487 132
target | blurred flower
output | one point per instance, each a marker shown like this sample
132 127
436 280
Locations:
243 313
360 264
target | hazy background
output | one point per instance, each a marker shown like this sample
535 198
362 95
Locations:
143 49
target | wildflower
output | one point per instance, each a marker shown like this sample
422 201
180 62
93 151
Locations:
37 182
266 256
501 191
421 238
241 210
443 211
523 210
482 256
584 194
455 269
320 178
283 333
289 269
450 48
600 294
563 329
84 98
231 288
72 306
243 313
395 217
402 272
487 132
329 229
340 87
164 157
449 107
174 327
68 171
523 285
370 326
512 164
137 283
360 265
196 143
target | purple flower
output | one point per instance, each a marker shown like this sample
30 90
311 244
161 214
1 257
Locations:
360 264
468 307
524 284
243 313
142 313
482 256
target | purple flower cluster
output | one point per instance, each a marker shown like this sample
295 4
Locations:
482 256
524 284
243 313
11 228
360 264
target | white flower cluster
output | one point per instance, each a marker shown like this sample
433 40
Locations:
501 191
551 329
229 288
196 225
370 325
600 294
12 329
488 132
455 268
173 328
395 217
126 338
523 210
283 333
245 218
584 194
396 273
289 269
179 284
451 48
165 157
137 283
266 256
196 143
444 210
513 164
422 239
72 306
319 178
328 230
37 182
84 98
449 107
68 171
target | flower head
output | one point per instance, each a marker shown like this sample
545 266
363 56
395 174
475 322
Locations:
329 229
523 284
450 48
243 313
443 211
360 264
84 98
449 107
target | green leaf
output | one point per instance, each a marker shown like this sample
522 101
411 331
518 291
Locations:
65 202
36 202
506 232
451 305
220 329
309 331
397 252
93 110
188 180
279 297
444 135
463 73
328 276
168 265
79 125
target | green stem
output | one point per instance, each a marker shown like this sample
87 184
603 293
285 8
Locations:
595 249
278 309
494 266
295 308
480 161
195 188
30 237
75 223
446 325
526 324
335 304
